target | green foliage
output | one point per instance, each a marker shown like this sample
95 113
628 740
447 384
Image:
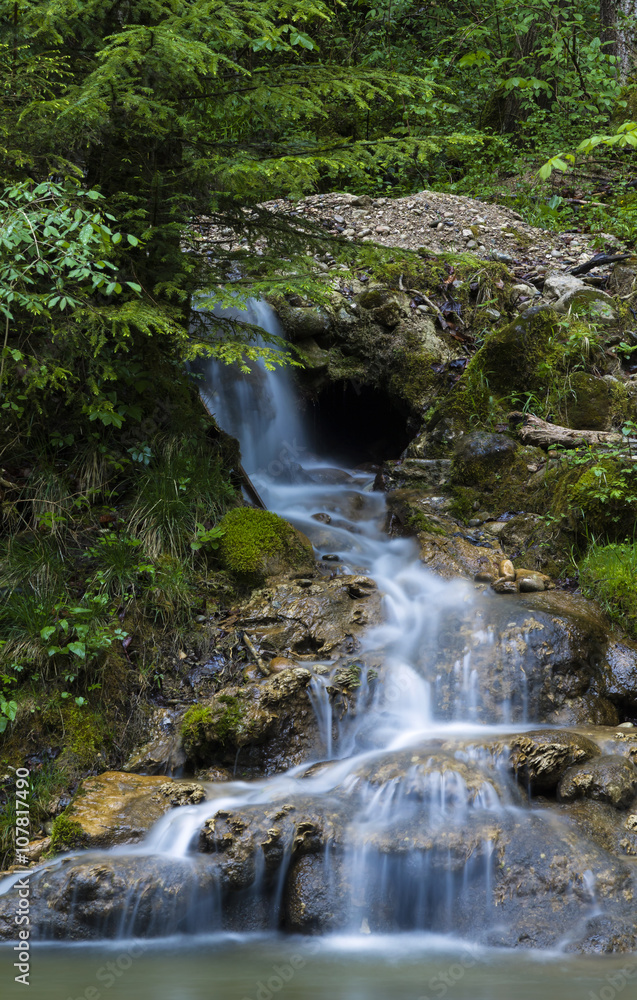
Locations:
607 574
176 498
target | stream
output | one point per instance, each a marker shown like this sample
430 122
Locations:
413 798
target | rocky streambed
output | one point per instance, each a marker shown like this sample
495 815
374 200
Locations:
410 749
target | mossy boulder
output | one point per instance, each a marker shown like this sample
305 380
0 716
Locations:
492 470
480 455
257 544
589 403
520 360
515 357
604 496
591 303
263 727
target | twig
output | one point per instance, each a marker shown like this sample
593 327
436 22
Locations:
261 664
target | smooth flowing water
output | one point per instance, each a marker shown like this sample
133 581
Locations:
374 776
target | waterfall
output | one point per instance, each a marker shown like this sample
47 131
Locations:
397 826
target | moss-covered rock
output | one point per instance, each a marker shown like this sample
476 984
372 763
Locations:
119 808
66 834
257 544
605 496
269 722
588 403
492 470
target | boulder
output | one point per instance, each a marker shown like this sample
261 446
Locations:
609 778
591 303
540 758
620 684
533 657
459 556
120 808
588 402
258 543
558 284
110 896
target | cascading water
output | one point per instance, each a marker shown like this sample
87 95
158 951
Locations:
398 825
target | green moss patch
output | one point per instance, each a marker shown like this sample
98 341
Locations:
66 835
221 723
258 543
608 574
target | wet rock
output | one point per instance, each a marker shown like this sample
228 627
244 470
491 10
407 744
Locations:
611 828
119 808
163 753
610 779
181 793
530 583
116 896
35 849
432 776
620 684
271 723
505 586
539 759
549 882
531 656
457 557
322 620
259 838
507 570
279 663
317 895
215 775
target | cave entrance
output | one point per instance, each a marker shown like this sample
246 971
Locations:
356 424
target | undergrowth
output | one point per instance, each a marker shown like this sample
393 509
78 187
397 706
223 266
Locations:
608 574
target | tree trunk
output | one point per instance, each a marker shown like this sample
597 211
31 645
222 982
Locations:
619 28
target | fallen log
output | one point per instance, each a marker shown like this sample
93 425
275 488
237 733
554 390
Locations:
532 430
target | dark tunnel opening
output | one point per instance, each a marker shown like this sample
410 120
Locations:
357 424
